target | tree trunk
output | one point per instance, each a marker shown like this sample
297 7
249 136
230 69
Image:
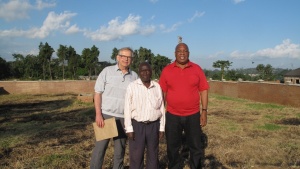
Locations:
44 71
63 69
74 72
50 71
90 72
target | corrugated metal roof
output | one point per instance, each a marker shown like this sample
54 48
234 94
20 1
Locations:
293 73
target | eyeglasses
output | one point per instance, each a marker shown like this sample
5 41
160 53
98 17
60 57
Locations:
126 57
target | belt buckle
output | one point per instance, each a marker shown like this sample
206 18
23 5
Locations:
147 122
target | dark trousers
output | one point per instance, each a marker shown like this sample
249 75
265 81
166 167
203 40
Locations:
146 136
119 148
192 129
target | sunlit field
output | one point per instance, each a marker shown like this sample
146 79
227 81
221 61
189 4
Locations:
55 131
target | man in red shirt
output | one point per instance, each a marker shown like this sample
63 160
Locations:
184 86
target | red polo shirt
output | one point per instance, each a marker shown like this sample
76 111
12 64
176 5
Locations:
182 87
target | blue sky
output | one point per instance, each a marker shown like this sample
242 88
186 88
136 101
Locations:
245 32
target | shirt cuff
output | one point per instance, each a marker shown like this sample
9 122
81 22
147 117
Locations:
129 129
162 128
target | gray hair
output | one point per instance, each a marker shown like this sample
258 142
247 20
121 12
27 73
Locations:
125 48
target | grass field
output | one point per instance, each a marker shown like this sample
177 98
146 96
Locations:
55 131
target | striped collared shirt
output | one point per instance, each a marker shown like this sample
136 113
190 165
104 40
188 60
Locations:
112 83
143 104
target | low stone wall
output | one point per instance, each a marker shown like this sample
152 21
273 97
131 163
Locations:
262 92
47 87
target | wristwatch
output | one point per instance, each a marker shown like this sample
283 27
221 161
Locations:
205 110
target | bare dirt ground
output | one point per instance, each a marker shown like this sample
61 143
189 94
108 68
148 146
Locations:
55 131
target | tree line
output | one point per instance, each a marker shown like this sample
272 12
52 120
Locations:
71 65
260 72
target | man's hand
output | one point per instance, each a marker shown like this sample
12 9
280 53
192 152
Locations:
130 135
203 118
97 103
161 135
100 121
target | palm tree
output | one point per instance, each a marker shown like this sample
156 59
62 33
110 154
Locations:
222 64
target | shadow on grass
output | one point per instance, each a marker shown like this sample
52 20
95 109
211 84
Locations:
289 121
41 121
34 106
210 161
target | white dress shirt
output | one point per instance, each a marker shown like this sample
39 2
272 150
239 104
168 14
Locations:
143 104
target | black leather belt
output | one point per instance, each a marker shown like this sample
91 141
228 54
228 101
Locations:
146 122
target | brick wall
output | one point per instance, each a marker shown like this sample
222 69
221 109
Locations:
46 87
262 92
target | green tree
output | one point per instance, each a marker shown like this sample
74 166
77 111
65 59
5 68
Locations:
18 66
32 67
4 69
135 61
268 72
28 67
62 53
222 64
145 55
45 55
95 54
56 69
141 55
231 75
73 61
235 75
260 68
265 71
158 63
86 52
114 54
90 57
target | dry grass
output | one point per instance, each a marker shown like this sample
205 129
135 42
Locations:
55 131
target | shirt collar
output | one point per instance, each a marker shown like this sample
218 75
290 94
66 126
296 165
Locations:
118 69
188 64
139 81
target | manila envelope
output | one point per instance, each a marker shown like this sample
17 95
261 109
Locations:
108 131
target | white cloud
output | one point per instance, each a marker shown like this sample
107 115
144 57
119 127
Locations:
52 23
56 22
117 29
285 50
41 5
171 29
240 55
18 9
196 15
73 29
238 1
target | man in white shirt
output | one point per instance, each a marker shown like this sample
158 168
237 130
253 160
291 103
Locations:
144 118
